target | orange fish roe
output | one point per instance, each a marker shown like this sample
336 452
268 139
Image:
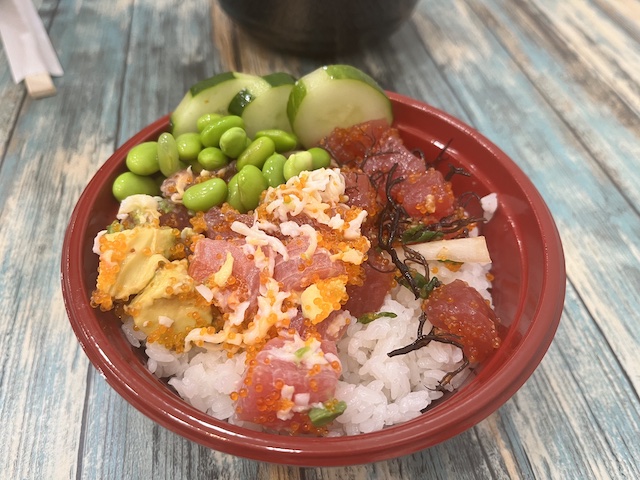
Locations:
198 222
168 337
331 404
333 296
428 206
355 274
285 404
178 251
108 269
102 300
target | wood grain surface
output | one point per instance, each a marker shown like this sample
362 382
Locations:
555 84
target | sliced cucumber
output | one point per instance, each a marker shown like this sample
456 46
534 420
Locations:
265 109
334 96
212 96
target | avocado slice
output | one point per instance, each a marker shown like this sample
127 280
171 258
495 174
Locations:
169 307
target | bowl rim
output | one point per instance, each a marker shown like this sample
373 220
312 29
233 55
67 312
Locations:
409 437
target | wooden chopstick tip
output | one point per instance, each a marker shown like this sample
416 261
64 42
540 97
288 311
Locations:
40 85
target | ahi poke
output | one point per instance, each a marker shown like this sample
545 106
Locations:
288 264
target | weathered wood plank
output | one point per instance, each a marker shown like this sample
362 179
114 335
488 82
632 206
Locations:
12 96
598 43
46 164
576 187
178 40
412 466
575 404
593 109
554 84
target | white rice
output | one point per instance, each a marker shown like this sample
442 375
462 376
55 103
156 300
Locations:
379 390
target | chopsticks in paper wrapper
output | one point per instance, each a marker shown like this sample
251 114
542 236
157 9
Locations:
28 48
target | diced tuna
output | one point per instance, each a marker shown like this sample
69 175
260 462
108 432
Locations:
210 255
426 195
360 192
298 272
331 328
286 378
369 296
377 149
219 222
463 315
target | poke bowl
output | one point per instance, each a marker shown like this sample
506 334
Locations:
527 293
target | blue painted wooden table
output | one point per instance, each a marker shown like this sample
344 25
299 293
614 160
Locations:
555 84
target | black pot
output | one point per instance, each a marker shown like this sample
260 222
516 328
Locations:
316 27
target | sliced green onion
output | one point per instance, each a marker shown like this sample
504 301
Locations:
323 416
301 352
419 234
370 317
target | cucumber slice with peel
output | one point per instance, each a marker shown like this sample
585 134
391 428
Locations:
212 95
334 96
265 109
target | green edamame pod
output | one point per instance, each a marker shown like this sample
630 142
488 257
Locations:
251 184
233 142
296 163
143 159
284 141
168 157
273 168
210 136
212 158
128 183
233 196
256 153
189 146
320 158
205 195
206 119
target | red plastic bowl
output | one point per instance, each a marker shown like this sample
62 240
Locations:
528 294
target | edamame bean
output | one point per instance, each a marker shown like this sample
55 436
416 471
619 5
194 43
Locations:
212 158
206 119
128 183
168 157
189 146
233 197
205 195
233 142
272 170
320 158
251 184
210 136
284 141
143 159
256 153
296 163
